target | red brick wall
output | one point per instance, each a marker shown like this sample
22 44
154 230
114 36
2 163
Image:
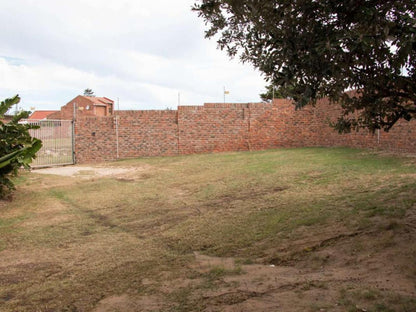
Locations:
310 127
279 125
213 128
95 139
140 133
148 133
225 127
402 137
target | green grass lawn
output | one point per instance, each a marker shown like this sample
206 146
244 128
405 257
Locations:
67 243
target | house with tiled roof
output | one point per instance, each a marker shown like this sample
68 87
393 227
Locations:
85 106
41 114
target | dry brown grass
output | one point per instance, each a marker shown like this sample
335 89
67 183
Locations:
295 229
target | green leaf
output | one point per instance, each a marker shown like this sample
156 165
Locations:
7 104
17 147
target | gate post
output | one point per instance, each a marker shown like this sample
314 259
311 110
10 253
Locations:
73 141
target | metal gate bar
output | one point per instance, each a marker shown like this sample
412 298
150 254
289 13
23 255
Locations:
57 141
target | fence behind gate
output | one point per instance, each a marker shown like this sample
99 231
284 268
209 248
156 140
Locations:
57 140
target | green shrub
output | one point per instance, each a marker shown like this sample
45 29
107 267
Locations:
17 147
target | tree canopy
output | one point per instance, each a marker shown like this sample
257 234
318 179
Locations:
88 92
312 49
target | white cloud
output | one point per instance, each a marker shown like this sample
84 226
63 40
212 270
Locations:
144 52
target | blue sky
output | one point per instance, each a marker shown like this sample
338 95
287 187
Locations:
142 52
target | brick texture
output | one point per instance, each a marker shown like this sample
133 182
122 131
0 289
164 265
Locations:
222 127
147 133
213 128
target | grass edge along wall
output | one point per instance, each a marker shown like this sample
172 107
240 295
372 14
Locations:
217 127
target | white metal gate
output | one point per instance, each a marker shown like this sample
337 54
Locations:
57 142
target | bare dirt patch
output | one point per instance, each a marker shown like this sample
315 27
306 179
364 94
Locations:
344 274
127 304
83 171
329 272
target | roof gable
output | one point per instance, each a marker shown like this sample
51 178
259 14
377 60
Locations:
98 100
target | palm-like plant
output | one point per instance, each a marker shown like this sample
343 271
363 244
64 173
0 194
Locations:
17 147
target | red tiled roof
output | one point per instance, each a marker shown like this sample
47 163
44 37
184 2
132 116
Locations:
41 114
99 100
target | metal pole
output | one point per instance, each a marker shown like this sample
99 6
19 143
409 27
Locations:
117 146
73 142
224 94
179 98
117 150
73 132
